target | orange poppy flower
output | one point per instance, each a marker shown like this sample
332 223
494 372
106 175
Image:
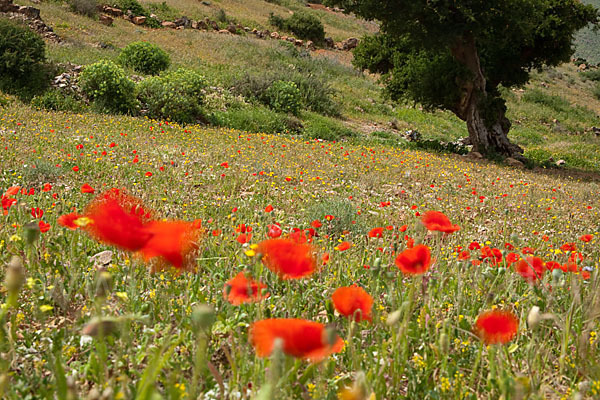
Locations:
343 246
12 191
353 302
118 219
316 224
172 241
68 220
301 338
437 221
287 258
496 326
376 233
586 238
239 290
86 188
269 208
415 261
530 268
568 247
464 255
44 227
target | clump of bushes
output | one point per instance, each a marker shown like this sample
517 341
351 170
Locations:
89 8
176 96
145 58
130 5
319 127
284 96
23 70
57 100
303 25
109 87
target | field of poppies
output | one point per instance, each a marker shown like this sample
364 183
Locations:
147 260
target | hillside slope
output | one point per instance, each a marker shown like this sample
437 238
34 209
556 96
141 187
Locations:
588 41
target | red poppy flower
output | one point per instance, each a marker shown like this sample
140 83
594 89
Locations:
274 231
437 221
496 326
244 238
47 187
85 188
316 224
353 302
118 219
329 217
465 255
269 208
12 191
44 227
37 212
301 338
376 233
586 238
512 258
343 246
173 242
287 258
76 168
568 247
403 228
239 290
531 268
552 265
474 246
415 261
68 220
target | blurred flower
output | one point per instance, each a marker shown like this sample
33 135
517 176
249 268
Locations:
353 302
414 261
239 290
437 221
496 326
287 258
303 339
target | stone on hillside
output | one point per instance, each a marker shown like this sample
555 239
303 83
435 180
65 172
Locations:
115 12
140 20
214 25
106 20
349 44
232 29
560 163
202 25
299 42
224 31
169 24
194 24
31 12
310 45
475 155
274 35
512 162
183 21
329 42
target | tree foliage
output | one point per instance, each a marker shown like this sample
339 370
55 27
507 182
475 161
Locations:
454 54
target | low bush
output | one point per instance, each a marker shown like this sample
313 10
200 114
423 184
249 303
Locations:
23 70
318 127
57 100
303 25
130 5
254 119
284 96
89 8
145 58
176 96
107 85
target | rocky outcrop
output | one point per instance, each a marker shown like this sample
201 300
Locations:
31 16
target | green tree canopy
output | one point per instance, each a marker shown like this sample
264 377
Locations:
455 54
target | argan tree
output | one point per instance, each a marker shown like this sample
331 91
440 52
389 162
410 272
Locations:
456 54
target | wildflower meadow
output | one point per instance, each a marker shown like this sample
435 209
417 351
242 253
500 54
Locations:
144 259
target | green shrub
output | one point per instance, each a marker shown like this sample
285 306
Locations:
109 87
596 91
132 5
556 103
144 57
254 119
22 60
283 96
175 96
57 100
318 127
164 11
89 8
305 26
592 75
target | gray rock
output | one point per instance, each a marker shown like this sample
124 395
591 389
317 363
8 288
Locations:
512 162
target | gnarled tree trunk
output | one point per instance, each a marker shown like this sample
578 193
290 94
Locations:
487 130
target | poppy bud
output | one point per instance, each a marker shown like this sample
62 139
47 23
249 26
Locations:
534 317
444 343
377 263
15 275
203 317
329 335
31 232
99 327
393 317
104 284
557 275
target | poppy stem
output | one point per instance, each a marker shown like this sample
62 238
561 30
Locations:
476 369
